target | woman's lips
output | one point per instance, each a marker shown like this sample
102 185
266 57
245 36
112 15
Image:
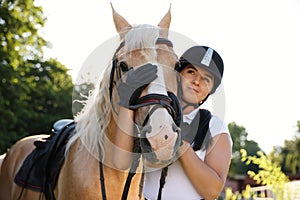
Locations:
194 90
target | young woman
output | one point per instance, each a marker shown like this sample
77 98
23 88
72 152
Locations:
199 173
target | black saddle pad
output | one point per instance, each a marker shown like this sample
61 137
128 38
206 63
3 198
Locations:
41 167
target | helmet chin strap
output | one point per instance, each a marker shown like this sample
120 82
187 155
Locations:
195 105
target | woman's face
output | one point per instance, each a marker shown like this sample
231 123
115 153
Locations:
196 83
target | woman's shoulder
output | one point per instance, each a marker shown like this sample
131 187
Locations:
217 126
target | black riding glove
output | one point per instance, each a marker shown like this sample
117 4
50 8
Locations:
136 81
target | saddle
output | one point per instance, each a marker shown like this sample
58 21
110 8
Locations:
40 169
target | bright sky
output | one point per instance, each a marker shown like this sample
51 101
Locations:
259 41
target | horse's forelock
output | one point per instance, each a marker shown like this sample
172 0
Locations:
141 37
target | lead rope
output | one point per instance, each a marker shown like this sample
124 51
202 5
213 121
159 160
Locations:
134 165
162 181
102 183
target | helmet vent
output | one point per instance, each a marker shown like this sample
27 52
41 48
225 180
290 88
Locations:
207 57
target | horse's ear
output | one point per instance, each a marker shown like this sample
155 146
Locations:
166 20
120 23
165 23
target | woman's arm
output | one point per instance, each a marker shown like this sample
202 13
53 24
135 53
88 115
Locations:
122 153
208 177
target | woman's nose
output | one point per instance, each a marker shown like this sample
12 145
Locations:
196 80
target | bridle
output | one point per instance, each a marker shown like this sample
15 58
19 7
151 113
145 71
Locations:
123 67
170 102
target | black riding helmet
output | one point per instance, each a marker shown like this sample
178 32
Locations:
206 58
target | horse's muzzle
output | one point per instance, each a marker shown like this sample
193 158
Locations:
159 147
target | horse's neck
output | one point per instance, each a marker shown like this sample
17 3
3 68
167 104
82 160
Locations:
85 145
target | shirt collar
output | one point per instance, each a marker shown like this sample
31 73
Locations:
188 118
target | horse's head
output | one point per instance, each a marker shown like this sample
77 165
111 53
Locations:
157 110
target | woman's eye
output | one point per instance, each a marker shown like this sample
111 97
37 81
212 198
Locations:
191 71
207 80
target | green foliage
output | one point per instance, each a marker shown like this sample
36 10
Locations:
34 92
269 174
268 170
289 155
239 136
246 194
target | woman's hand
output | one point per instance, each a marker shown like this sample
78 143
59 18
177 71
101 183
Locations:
136 81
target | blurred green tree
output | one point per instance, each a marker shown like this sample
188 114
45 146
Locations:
289 155
239 136
34 91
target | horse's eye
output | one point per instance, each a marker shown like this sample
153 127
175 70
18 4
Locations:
123 66
177 66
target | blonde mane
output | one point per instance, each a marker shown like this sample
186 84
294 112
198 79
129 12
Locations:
142 37
93 121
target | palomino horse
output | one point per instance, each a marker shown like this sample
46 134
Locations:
91 145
